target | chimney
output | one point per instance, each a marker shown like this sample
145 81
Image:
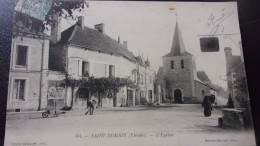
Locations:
56 29
100 27
228 54
118 39
125 44
81 21
228 51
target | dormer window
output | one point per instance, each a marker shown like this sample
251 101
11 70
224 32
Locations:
172 64
182 64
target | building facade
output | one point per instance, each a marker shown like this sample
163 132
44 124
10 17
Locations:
30 80
82 52
28 69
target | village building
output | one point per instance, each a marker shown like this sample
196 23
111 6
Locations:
28 69
236 77
82 52
178 81
39 64
30 80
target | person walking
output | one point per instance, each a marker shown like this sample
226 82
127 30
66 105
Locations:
90 107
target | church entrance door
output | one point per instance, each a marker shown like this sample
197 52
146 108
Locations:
177 96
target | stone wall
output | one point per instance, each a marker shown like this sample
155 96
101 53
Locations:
233 118
199 87
179 77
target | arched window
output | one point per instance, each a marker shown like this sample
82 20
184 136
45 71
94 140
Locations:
182 63
202 92
172 64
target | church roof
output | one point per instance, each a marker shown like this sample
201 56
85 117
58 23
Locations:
92 39
178 48
202 76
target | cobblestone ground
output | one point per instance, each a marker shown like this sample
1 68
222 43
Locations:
160 125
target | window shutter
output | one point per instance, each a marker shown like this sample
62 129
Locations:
73 67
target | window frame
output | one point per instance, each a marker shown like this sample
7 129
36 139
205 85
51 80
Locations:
12 88
182 64
172 64
17 55
18 91
14 56
111 73
142 79
83 68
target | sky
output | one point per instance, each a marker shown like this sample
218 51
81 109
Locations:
148 27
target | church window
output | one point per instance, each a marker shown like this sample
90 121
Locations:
182 63
202 92
172 64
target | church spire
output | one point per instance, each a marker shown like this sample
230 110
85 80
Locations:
178 47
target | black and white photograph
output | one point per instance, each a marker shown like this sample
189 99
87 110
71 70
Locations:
127 73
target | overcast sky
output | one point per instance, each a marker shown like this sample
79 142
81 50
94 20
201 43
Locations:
149 26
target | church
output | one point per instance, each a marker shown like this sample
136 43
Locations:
178 81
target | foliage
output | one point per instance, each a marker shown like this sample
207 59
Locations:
220 90
241 85
100 84
243 99
62 8
143 100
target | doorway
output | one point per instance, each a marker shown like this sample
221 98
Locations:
177 96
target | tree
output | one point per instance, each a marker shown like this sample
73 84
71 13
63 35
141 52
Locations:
62 8
220 90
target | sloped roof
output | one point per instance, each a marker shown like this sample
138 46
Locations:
178 48
139 59
208 85
202 76
92 39
160 71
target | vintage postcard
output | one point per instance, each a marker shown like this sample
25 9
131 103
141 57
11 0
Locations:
127 73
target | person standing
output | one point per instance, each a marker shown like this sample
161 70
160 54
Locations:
207 106
230 103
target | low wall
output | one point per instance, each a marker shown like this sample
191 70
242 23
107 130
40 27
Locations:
233 118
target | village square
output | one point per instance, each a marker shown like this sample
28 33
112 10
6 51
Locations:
79 82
